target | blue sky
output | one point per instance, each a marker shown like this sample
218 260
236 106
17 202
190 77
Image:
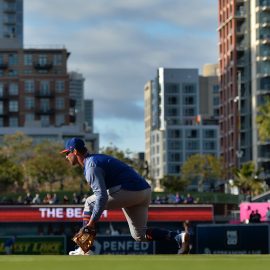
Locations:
118 45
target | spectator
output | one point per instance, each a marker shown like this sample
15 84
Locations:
178 198
268 215
19 200
47 199
251 216
36 199
75 199
28 199
189 199
257 217
55 199
65 199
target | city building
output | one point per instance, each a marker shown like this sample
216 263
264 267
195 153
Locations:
244 61
38 96
89 114
173 128
76 92
11 24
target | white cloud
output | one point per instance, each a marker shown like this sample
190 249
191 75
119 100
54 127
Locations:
119 44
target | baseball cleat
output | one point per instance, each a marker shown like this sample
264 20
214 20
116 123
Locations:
79 251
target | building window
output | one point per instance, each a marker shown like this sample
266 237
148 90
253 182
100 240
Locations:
29 117
29 103
189 100
12 73
29 86
13 89
174 133
28 60
13 106
211 145
60 119
59 103
13 59
42 59
174 157
1 89
192 145
57 59
60 86
45 105
172 100
189 112
189 88
45 87
216 88
45 120
171 88
209 133
1 107
191 133
172 112
13 121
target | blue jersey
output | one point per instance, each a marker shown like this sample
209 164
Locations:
103 172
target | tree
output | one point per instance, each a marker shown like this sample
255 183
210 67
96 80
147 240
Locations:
10 173
199 168
248 180
263 120
173 183
47 166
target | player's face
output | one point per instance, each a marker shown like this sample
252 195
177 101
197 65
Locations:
72 158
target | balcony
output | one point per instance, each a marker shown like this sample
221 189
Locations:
43 66
41 94
3 65
44 111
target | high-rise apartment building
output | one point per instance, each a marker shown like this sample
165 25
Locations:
172 132
34 88
89 114
244 54
11 24
76 92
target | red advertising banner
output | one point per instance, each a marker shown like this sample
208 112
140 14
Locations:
45 213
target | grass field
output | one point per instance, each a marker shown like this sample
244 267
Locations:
136 262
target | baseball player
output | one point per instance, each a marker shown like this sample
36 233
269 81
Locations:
115 185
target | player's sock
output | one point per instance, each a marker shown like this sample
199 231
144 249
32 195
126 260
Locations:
157 234
86 217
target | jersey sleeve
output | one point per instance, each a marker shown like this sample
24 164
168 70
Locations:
95 178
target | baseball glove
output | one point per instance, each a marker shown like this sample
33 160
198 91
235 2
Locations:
85 238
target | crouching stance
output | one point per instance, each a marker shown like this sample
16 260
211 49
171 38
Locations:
115 185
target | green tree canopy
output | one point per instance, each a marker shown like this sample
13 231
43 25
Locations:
200 168
173 183
11 174
47 165
263 120
248 180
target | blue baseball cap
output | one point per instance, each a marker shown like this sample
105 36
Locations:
73 143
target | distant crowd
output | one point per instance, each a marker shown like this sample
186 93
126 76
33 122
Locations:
175 199
52 198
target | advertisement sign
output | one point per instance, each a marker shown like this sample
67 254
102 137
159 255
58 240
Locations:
60 213
36 245
246 208
122 245
233 239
